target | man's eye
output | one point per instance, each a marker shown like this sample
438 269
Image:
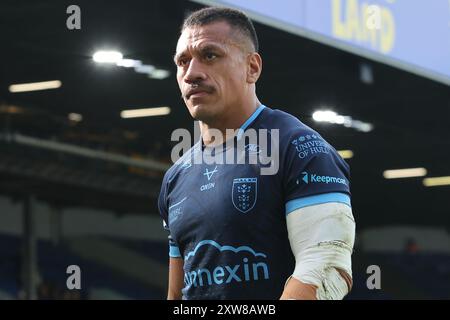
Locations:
210 56
182 62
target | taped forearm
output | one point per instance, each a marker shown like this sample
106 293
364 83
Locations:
322 239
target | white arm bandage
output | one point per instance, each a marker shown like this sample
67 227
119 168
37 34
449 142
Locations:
322 238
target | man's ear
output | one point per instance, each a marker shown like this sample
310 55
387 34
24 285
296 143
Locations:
254 67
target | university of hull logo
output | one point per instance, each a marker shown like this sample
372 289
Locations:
244 193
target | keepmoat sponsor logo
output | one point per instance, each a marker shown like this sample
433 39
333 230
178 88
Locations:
315 178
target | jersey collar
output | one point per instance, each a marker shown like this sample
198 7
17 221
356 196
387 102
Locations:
250 120
242 129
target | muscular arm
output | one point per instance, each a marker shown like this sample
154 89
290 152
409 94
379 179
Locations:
321 238
176 275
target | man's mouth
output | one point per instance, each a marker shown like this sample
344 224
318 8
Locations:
197 93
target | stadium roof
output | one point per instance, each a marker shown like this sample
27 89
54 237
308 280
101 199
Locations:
410 114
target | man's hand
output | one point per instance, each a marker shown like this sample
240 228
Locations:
297 290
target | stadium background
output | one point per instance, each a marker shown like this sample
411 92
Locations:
78 183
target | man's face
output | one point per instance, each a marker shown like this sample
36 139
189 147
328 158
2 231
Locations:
211 70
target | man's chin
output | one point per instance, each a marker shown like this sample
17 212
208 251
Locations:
201 111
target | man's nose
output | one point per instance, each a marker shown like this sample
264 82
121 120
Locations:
195 72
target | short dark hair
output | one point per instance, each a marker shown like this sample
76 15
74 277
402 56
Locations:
235 18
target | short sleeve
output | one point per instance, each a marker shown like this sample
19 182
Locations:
314 173
174 251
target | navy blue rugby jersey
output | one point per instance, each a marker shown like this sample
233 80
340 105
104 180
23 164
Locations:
228 221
